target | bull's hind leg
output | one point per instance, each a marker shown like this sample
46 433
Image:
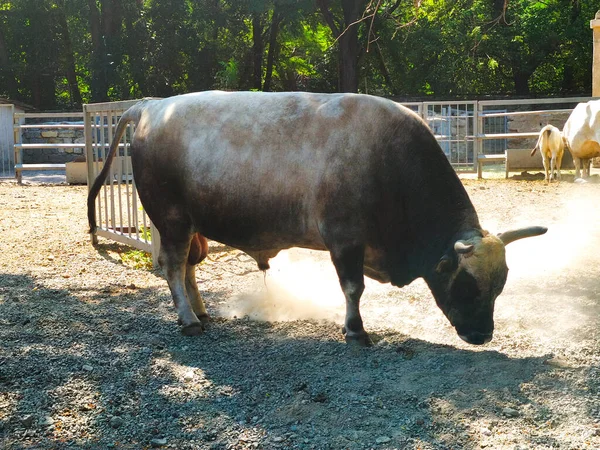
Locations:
348 262
173 259
198 251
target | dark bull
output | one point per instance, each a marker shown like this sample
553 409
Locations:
359 176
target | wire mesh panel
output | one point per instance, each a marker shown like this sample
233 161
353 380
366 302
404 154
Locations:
119 213
453 124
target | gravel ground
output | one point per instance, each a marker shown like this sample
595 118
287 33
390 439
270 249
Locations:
91 356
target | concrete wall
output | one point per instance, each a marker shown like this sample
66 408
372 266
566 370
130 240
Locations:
532 123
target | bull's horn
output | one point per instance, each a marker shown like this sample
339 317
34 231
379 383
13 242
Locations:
509 236
461 248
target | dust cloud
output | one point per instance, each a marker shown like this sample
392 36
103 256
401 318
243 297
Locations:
552 291
301 284
553 287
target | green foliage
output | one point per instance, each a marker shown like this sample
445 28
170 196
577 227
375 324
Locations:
166 47
137 259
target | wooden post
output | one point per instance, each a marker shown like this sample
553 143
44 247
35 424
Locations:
595 26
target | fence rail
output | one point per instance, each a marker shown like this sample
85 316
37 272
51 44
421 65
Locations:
19 124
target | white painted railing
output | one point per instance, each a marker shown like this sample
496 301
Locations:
119 213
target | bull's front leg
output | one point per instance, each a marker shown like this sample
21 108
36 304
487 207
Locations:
348 262
173 260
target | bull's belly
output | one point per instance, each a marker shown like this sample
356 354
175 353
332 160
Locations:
257 233
589 149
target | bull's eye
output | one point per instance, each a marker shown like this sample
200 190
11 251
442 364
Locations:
465 287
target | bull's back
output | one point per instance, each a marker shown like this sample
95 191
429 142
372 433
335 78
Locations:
259 166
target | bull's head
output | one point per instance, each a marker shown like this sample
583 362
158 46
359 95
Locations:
469 277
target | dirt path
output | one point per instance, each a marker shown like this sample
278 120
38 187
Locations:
91 357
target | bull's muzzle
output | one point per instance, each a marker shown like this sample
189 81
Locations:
476 337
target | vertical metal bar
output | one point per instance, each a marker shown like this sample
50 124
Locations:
17 150
103 151
120 162
89 156
477 130
127 165
136 220
109 138
145 225
97 167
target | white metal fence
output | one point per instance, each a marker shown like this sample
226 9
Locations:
7 155
119 213
38 121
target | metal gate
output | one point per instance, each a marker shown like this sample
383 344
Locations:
7 154
119 212
454 125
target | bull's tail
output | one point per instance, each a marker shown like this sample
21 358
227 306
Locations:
133 114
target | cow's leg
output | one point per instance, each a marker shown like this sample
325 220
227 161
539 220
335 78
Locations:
577 163
173 260
586 167
198 251
552 167
546 164
348 262
559 158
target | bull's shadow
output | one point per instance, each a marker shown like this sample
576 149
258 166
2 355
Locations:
286 384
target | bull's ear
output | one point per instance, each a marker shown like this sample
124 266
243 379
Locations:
445 264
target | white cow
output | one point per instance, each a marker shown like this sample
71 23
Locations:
582 135
552 147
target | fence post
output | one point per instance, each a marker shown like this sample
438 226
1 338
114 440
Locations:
89 156
478 140
595 26
18 150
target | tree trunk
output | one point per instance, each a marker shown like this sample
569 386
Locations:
99 83
348 45
346 33
521 79
275 23
257 51
69 59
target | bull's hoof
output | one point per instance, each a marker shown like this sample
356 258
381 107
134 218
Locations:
204 319
360 339
192 329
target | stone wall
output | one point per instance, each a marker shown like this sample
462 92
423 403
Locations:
53 136
532 123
